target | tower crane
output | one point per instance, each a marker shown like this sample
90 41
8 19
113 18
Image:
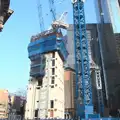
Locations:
39 6
52 9
60 22
83 96
55 23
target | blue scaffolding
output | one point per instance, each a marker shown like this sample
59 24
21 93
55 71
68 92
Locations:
44 44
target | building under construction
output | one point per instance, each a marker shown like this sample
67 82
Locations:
4 104
45 95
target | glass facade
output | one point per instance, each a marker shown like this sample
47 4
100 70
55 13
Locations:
110 10
108 13
105 10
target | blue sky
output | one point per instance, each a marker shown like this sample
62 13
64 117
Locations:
14 63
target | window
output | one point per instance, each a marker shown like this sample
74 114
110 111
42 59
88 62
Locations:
53 80
38 88
53 62
36 113
53 55
43 59
52 86
65 116
40 82
51 104
52 113
53 71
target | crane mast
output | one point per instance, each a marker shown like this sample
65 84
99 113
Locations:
39 6
83 82
52 9
57 23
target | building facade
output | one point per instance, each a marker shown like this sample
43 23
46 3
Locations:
17 105
108 18
45 95
11 105
94 54
43 100
4 104
70 62
69 89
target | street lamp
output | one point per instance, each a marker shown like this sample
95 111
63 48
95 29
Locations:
5 12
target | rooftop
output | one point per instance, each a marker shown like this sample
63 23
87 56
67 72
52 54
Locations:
45 34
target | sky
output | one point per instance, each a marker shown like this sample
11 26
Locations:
14 62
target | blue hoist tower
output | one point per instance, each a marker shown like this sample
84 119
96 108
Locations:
83 96
84 106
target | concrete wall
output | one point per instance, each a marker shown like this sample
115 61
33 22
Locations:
39 96
69 85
